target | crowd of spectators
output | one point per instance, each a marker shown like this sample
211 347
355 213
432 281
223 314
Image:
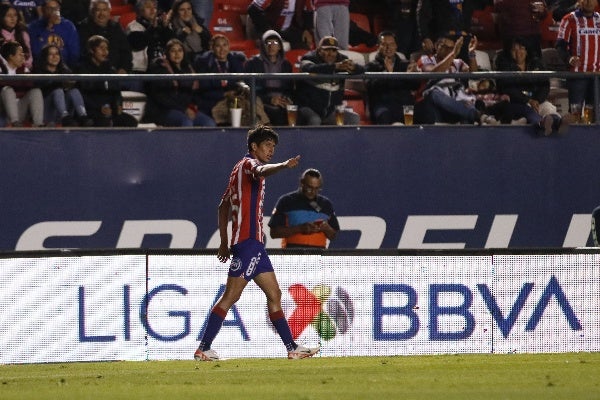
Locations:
176 37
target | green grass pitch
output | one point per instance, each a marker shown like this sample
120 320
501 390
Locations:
488 376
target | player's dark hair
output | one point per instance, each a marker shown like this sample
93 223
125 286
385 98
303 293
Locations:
261 133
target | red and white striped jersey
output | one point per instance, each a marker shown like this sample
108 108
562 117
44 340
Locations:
246 192
582 35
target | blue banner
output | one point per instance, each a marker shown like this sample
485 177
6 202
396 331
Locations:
392 187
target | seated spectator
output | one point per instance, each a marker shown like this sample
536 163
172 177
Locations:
318 98
19 98
103 100
99 23
275 94
529 97
219 59
148 35
491 104
13 29
292 19
388 96
447 100
192 32
51 28
31 10
171 102
63 102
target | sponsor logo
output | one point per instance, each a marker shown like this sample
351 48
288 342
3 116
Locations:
329 311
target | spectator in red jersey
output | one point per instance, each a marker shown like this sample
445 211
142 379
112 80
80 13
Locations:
292 19
578 43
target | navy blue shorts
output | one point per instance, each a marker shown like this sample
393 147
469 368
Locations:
249 259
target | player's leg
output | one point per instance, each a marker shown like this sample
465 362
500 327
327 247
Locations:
233 290
267 282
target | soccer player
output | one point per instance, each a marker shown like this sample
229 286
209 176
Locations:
243 199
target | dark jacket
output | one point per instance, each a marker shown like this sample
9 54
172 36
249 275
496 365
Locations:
522 90
48 86
212 91
153 39
120 52
97 93
169 94
384 91
265 89
321 94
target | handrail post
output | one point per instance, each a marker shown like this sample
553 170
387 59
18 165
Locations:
596 98
253 99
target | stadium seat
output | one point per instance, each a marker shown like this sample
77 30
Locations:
484 27
293 56
362 20
483 60
358 58
126 18
229 23
371 56
359 107
134 103
121 9
549 31
240 6
552 60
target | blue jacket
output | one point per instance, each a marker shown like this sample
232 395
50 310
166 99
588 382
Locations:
64 35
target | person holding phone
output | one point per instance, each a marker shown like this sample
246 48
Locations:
304 218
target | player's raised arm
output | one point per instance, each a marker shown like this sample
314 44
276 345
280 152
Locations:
270 169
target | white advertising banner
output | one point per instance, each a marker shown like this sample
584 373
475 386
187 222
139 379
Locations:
155 307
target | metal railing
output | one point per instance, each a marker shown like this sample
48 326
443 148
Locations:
252 78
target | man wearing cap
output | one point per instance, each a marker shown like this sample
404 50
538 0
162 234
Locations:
318 98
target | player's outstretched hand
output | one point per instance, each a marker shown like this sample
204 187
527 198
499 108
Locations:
293 162
223 253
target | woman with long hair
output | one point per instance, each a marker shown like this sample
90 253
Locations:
188 28
63 102
171 102
13 29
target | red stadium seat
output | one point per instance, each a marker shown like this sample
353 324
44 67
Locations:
549 31
293 56
121 9
484 27
229 23
240 6
125 19
358 106
362 20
